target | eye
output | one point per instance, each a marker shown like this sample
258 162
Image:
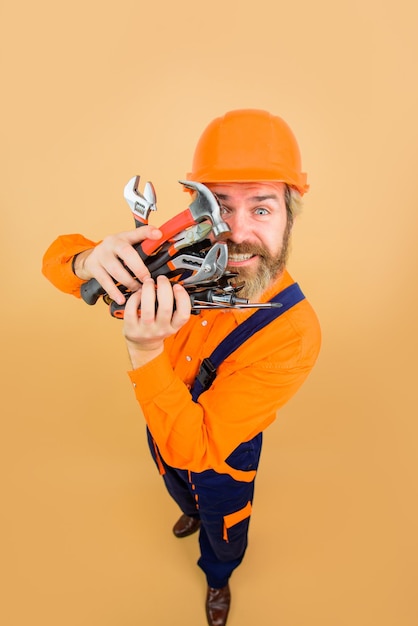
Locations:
261 211
224 209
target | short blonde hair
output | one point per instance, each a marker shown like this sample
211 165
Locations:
293 201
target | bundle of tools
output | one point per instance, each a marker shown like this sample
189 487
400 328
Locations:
190 252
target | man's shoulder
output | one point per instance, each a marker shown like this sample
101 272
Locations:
292 337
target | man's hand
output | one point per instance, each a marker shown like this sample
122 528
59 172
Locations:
164 309
105 261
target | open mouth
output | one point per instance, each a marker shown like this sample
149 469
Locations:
237 259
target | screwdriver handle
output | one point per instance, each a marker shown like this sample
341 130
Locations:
91 291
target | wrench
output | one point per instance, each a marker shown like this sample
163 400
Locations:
204 269
212 267
140 205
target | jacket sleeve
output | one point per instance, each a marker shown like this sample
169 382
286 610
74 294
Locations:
57 262
241 402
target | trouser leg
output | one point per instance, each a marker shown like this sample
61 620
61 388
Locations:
223 505
176 481
225 509
219 558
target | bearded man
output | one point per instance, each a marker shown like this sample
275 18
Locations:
207 447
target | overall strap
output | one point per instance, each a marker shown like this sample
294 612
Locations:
207 373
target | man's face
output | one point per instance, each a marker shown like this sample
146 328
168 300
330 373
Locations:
258 245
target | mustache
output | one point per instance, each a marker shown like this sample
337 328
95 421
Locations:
246 248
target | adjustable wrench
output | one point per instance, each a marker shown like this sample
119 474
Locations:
140 205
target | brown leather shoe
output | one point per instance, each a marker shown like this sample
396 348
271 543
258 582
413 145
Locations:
186 526
218 602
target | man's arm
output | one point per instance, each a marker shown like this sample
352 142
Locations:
57 262
73 259
241 403
263 375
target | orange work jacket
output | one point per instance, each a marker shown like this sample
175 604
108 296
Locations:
251 384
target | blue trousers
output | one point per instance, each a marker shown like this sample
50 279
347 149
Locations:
221 503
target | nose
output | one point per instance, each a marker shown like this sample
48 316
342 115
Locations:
240 228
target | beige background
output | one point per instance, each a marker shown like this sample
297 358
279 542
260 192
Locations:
96 92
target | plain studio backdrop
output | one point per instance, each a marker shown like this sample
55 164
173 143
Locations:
94 93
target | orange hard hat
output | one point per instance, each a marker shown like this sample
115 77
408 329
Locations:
248 145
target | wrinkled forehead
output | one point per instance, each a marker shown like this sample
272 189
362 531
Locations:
253 189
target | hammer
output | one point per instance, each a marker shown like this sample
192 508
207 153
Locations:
204 207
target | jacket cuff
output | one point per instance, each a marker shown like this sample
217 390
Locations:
153 378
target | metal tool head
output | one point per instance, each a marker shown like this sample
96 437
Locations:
191 235
140 204
206 206
211 267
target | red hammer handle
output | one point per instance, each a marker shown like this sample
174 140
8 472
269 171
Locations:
169 229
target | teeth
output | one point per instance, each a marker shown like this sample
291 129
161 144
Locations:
240 257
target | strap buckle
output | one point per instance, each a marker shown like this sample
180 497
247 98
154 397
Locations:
207 373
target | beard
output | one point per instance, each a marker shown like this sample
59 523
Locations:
256 280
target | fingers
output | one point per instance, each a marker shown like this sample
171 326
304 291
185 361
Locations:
166 306
126 252
131 316
112 259
164 309
173 305
148 303
183 307
144 232
106 281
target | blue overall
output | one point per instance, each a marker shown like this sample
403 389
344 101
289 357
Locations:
211 497
222 503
